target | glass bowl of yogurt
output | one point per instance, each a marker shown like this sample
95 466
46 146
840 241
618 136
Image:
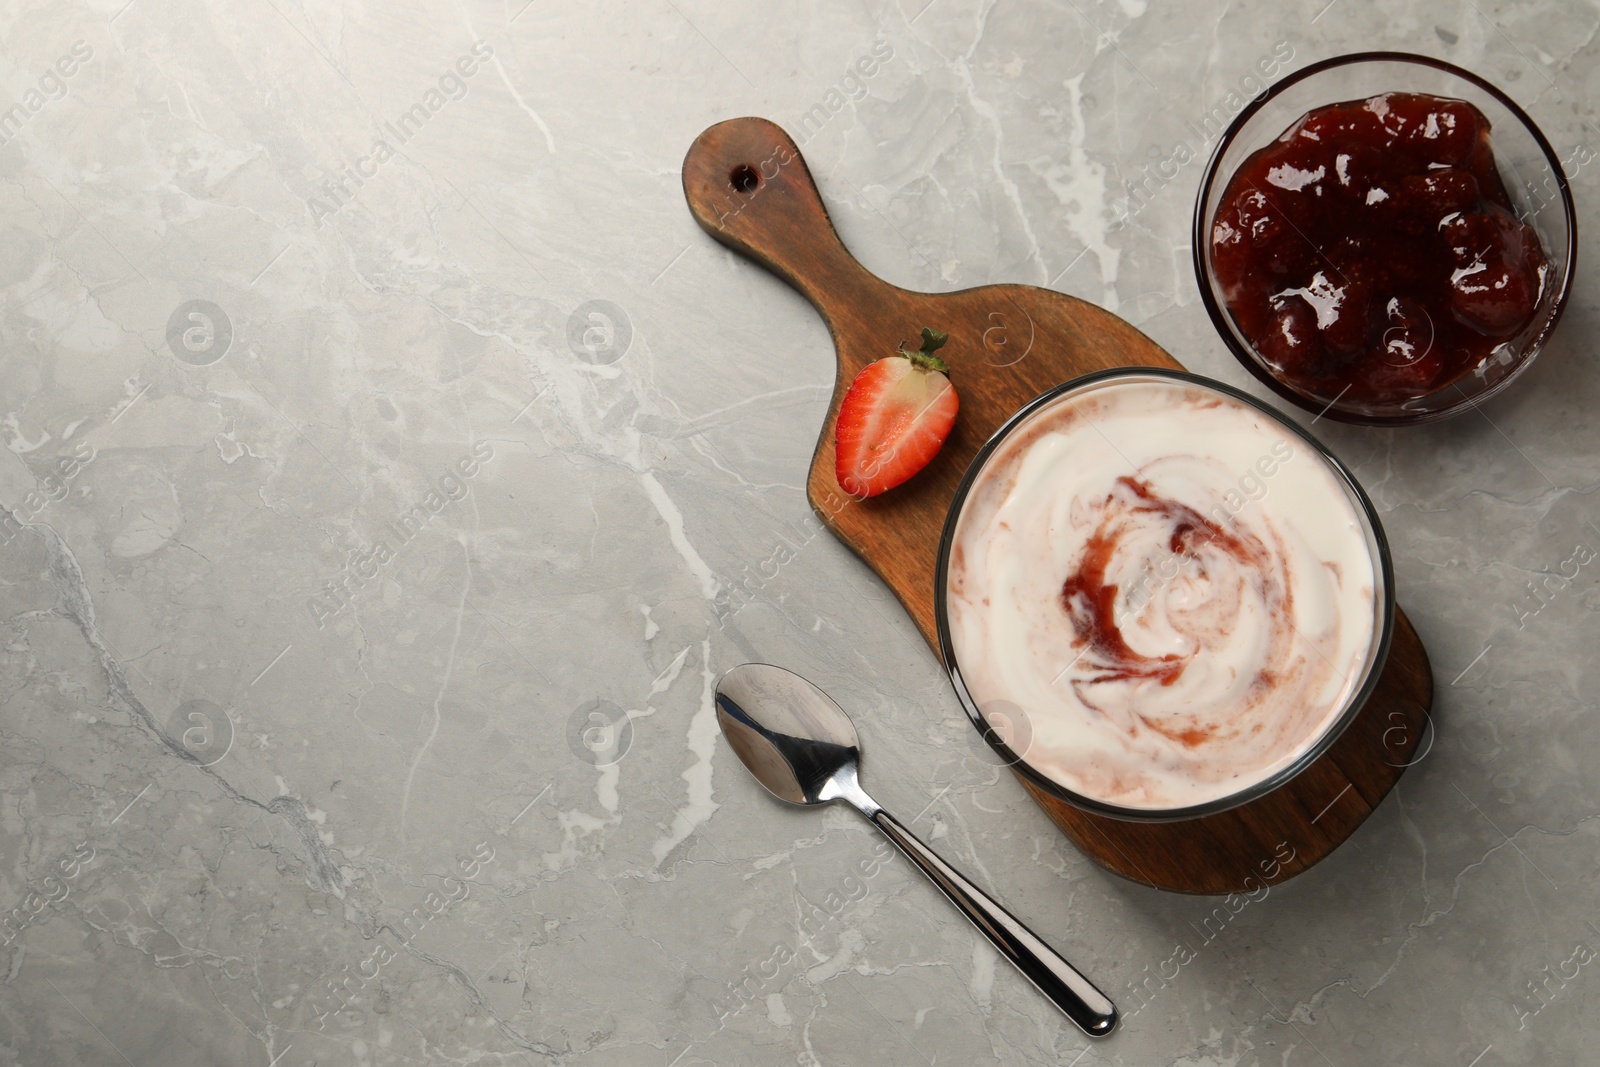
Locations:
1159 599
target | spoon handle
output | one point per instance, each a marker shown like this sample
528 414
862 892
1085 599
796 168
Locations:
1057 979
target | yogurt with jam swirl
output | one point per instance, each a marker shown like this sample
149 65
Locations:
1178 593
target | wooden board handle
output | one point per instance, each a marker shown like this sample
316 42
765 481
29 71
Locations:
748 187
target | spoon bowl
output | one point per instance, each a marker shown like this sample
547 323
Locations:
787 732
802 747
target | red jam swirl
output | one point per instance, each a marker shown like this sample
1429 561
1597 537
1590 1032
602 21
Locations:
1371 251
1221 571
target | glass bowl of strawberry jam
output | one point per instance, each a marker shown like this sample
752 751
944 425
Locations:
1384 238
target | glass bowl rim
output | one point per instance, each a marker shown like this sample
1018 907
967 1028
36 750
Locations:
1246 355
1353 707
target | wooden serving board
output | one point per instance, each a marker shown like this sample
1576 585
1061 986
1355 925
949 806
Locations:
748 187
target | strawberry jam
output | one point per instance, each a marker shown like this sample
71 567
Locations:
1372 251
1196 546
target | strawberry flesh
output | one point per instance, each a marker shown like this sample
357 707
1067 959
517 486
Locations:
893 421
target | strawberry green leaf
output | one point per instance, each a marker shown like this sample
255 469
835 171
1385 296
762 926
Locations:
932 341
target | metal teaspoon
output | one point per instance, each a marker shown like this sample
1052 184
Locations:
802 747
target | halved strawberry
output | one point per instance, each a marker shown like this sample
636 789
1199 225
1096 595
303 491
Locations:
894 419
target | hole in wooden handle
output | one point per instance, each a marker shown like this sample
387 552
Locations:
744 178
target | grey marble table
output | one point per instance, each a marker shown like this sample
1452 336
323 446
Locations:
392 465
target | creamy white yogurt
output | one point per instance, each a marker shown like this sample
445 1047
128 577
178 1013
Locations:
1177 592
